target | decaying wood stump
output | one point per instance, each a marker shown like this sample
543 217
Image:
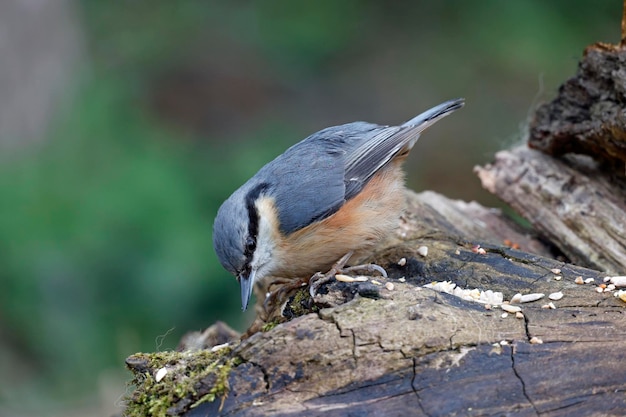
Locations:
392 347
587 117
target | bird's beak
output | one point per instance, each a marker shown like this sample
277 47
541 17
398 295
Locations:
246 282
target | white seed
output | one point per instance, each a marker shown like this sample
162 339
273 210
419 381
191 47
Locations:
504 315
474 294
516 298
510 309
376 282
402 279
457 252
557 277
402 261
607 279
389 286
619 281
599 289
481 251
555 271
610 287
519 315
503 343
551 305
160 374
579 280
348 278
556 296
423 251
529 298
219 347
589 280
535 340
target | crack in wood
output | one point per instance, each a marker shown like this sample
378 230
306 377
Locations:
521 380
417 395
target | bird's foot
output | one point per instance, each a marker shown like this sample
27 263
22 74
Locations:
318 279
285 286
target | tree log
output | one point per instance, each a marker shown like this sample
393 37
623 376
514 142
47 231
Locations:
576 205
587 117
409 350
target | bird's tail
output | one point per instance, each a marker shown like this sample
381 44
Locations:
432 116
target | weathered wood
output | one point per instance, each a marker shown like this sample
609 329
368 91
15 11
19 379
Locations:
410 350
576 205
415 351
587 115
432 214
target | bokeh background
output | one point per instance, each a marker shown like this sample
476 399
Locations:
124 124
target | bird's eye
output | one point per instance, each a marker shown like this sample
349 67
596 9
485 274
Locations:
250 244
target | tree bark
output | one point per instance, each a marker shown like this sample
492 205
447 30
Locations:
409 350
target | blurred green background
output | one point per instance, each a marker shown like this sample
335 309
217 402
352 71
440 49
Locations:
123 125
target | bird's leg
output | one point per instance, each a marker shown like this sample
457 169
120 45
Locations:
285 285
339 267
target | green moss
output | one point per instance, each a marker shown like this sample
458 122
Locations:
301 303
269 325
192 378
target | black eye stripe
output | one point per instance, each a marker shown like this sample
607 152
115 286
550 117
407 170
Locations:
253 220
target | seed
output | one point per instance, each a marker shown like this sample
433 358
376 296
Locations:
579 280
402 261
160 374
535 340
529 298
219 347
510 309
556 296
389 286
555 271
619 281
348 278
423 251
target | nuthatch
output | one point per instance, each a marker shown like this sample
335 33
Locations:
335 192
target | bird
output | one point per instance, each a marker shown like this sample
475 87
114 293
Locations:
337 192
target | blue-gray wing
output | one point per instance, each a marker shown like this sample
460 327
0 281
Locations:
315 177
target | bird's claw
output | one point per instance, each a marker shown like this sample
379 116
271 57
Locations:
318 279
